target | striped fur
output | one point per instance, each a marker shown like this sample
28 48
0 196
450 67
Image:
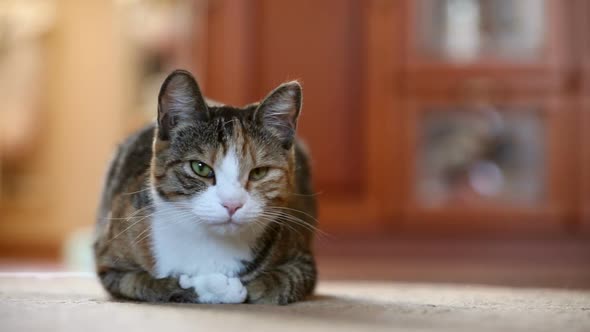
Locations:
149 170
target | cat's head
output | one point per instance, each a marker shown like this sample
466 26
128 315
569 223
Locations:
225 166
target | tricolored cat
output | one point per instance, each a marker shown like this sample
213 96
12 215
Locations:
210 204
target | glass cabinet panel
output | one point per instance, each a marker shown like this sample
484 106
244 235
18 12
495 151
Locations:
479 156
465 30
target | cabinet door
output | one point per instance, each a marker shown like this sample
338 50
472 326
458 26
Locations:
324 54
501 165
520 44
320 43
475 30
481 31
255 45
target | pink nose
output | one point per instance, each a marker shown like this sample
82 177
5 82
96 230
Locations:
232 207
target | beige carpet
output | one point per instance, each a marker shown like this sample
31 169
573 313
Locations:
77 303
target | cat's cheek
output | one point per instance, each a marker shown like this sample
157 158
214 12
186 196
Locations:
250 212
207 207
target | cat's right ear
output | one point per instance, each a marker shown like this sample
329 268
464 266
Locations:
180 100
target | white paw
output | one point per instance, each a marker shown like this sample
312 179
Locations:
215 288
185 281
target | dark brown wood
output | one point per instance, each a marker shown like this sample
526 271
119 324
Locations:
318 43
386 133
584 39
228 41
585 173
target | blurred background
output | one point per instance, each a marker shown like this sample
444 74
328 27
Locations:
450 138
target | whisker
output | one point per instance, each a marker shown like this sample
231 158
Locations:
294 219
229 121
150 228
165 212
286 222
277 218
294 210
273 220
306 195
129 216
139 191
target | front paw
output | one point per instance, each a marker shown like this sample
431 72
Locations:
215 288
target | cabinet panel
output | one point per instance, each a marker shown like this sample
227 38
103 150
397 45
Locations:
503 165
476 33
255 45
510 47
319 43
480 155
468 30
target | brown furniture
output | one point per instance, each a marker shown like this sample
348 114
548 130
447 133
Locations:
484 85
321 44
425 115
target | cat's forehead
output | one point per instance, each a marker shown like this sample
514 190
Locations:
222 124
231 126
225 112
227 128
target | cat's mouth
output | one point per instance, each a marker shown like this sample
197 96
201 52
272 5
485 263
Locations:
229 222
227 227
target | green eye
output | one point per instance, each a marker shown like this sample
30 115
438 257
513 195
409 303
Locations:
258 173
202 169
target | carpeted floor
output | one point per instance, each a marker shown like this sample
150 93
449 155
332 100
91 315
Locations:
51 302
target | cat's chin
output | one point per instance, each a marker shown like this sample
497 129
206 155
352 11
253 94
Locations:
227 228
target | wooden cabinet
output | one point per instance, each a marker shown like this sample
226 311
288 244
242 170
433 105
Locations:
423 115
488 119
319 43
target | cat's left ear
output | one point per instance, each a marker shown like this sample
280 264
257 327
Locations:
180 101
280 110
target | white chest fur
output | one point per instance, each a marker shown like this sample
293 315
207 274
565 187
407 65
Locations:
186 247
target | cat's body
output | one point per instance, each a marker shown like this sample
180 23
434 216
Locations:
173 228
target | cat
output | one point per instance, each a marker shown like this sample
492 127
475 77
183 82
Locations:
210 203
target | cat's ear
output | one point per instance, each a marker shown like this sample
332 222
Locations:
279 111
180 100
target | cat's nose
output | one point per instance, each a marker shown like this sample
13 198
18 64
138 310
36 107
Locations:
232 207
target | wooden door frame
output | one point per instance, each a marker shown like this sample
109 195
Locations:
584 205
583 27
